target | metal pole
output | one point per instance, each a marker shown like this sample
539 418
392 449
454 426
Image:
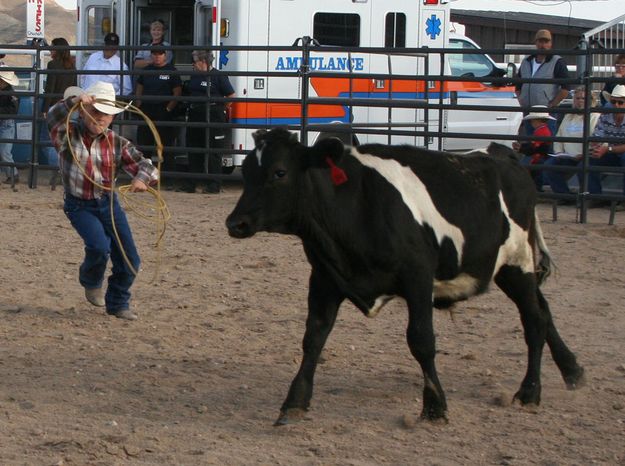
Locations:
34 147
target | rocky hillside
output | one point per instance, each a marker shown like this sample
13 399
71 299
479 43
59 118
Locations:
59 22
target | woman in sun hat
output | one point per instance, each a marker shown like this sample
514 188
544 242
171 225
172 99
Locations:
8 106
97 151
536 152
610 125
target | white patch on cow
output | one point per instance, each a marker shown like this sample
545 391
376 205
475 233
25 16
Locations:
516 250
259 155
379 303
460 287
416 197
482 151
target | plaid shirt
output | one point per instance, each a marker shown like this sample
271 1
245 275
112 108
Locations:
94 156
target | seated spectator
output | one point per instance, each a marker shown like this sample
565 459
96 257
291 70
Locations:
107 60
569 153
610 125
536 152
617 77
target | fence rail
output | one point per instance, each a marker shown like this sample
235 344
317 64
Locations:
433 106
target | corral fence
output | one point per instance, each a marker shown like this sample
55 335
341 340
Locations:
425 122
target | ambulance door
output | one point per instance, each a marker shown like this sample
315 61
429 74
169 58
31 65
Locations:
96 18
433 27
389 28
477 93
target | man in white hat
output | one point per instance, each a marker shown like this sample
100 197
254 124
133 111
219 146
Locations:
8 106
612 126
88 175
535 151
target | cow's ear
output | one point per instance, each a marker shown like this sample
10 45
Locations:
259 137
329 147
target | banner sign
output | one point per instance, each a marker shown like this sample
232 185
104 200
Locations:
35 19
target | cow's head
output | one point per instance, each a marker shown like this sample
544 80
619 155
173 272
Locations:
274 176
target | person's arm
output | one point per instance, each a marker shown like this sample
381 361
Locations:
560 72
126 87
176 92
134 163
138 93
143 58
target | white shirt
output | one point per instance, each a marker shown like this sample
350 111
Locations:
97 61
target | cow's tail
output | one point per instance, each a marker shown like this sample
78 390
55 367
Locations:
545 264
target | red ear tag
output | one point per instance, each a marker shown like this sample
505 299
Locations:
337 174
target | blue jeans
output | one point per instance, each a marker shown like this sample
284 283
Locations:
537 176
608 160
559 180
92 220
7 131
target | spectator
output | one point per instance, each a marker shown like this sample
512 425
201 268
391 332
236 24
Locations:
56 83
157 32
210 84
55 86
536 152
618 77
610 125
570 153
98 219
8 106
165 84
107 60
542 66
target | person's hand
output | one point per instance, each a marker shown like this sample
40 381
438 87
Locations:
598 150
86 99
138 186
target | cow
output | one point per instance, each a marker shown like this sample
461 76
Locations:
379 222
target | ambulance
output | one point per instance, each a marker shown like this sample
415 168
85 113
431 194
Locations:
270 83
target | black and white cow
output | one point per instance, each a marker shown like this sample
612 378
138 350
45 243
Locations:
379 222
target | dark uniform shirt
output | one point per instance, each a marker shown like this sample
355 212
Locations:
162 84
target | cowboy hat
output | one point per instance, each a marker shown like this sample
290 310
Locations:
618 92
539 112
9 77
101 91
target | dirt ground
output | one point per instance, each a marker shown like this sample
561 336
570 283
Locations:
200 377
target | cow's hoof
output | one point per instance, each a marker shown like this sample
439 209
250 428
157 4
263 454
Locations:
290 416
528 395
575 380
438 415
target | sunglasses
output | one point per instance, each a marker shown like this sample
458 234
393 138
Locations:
617 102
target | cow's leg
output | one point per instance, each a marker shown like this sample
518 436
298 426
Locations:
522 288
421 341
572 373
324 300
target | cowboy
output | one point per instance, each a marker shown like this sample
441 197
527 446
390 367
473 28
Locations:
8 106
89 155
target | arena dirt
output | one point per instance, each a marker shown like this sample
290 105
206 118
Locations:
200 377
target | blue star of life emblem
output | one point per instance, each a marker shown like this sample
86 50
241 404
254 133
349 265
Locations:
433 27
223 58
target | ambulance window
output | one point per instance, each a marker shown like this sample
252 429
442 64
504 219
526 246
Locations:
99 24
468 64
341 29
395 32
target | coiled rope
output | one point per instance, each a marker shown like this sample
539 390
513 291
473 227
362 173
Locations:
157 212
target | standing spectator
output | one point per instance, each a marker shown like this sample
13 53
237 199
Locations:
570 153
55 86
542 66
536 152
107 60
165 84
90 205
210 84
618 77
8 106
611 125
56 83
157 33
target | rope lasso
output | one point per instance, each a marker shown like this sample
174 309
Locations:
158 213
